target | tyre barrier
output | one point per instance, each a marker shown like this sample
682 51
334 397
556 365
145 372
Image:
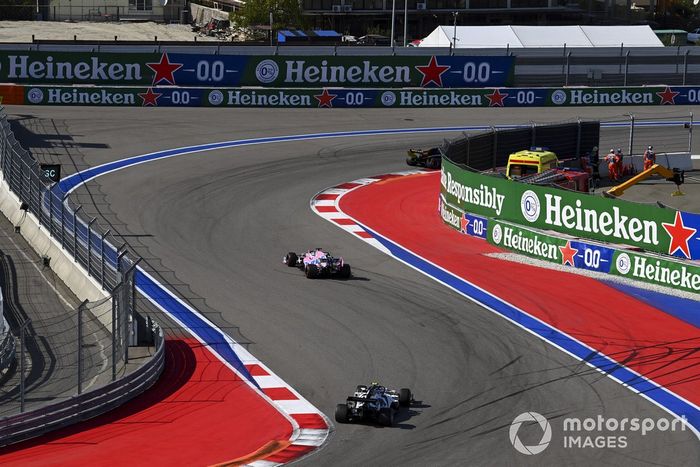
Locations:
23 426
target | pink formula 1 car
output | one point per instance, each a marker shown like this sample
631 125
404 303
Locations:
318 263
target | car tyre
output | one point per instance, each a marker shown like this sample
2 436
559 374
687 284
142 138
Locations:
345 271
433 163
341 413
291 259
405 397
387 416
411 161
311 271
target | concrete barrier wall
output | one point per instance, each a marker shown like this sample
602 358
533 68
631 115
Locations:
70 272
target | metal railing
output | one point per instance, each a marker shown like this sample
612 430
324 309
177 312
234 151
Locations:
93 11
86 405
632 133
84 240
94 346
91 246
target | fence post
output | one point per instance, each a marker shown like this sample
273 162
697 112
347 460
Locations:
22 336
568 67
533 134
80 346
627 66
29 179
563 65
102 259
63 221
50 211
631 145
114 333
89 245
685 66
469 149
75 233
495 146
578 139
20 190
129 278
690 135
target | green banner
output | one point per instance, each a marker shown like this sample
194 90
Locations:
655 270
594 257
450 215
642 95
578 214
525 241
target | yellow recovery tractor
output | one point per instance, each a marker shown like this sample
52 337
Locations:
671 175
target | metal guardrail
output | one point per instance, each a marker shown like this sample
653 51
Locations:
90 404
61 217
489 150
93 248
486 150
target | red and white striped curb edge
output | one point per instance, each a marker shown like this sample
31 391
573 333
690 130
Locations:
311 426
326 204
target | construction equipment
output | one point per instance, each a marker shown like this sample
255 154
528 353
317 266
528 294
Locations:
671 175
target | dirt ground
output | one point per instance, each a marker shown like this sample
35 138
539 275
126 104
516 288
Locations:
21 31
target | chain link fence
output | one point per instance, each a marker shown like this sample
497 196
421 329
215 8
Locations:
101 353
491 149
632 133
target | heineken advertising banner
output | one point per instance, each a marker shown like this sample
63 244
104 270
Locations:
464 222
299 98
578 214
599 258
178 69
656 271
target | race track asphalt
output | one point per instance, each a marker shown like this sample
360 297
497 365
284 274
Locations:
221 222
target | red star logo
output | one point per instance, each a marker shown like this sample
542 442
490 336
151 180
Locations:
464 222
496 98
164 69
680 234
668 96
325 99
432 72
567 254
150 98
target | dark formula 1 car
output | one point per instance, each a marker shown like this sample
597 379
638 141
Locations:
373 403
318 263
429 158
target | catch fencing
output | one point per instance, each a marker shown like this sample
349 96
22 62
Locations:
491 149
631 133
92 247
